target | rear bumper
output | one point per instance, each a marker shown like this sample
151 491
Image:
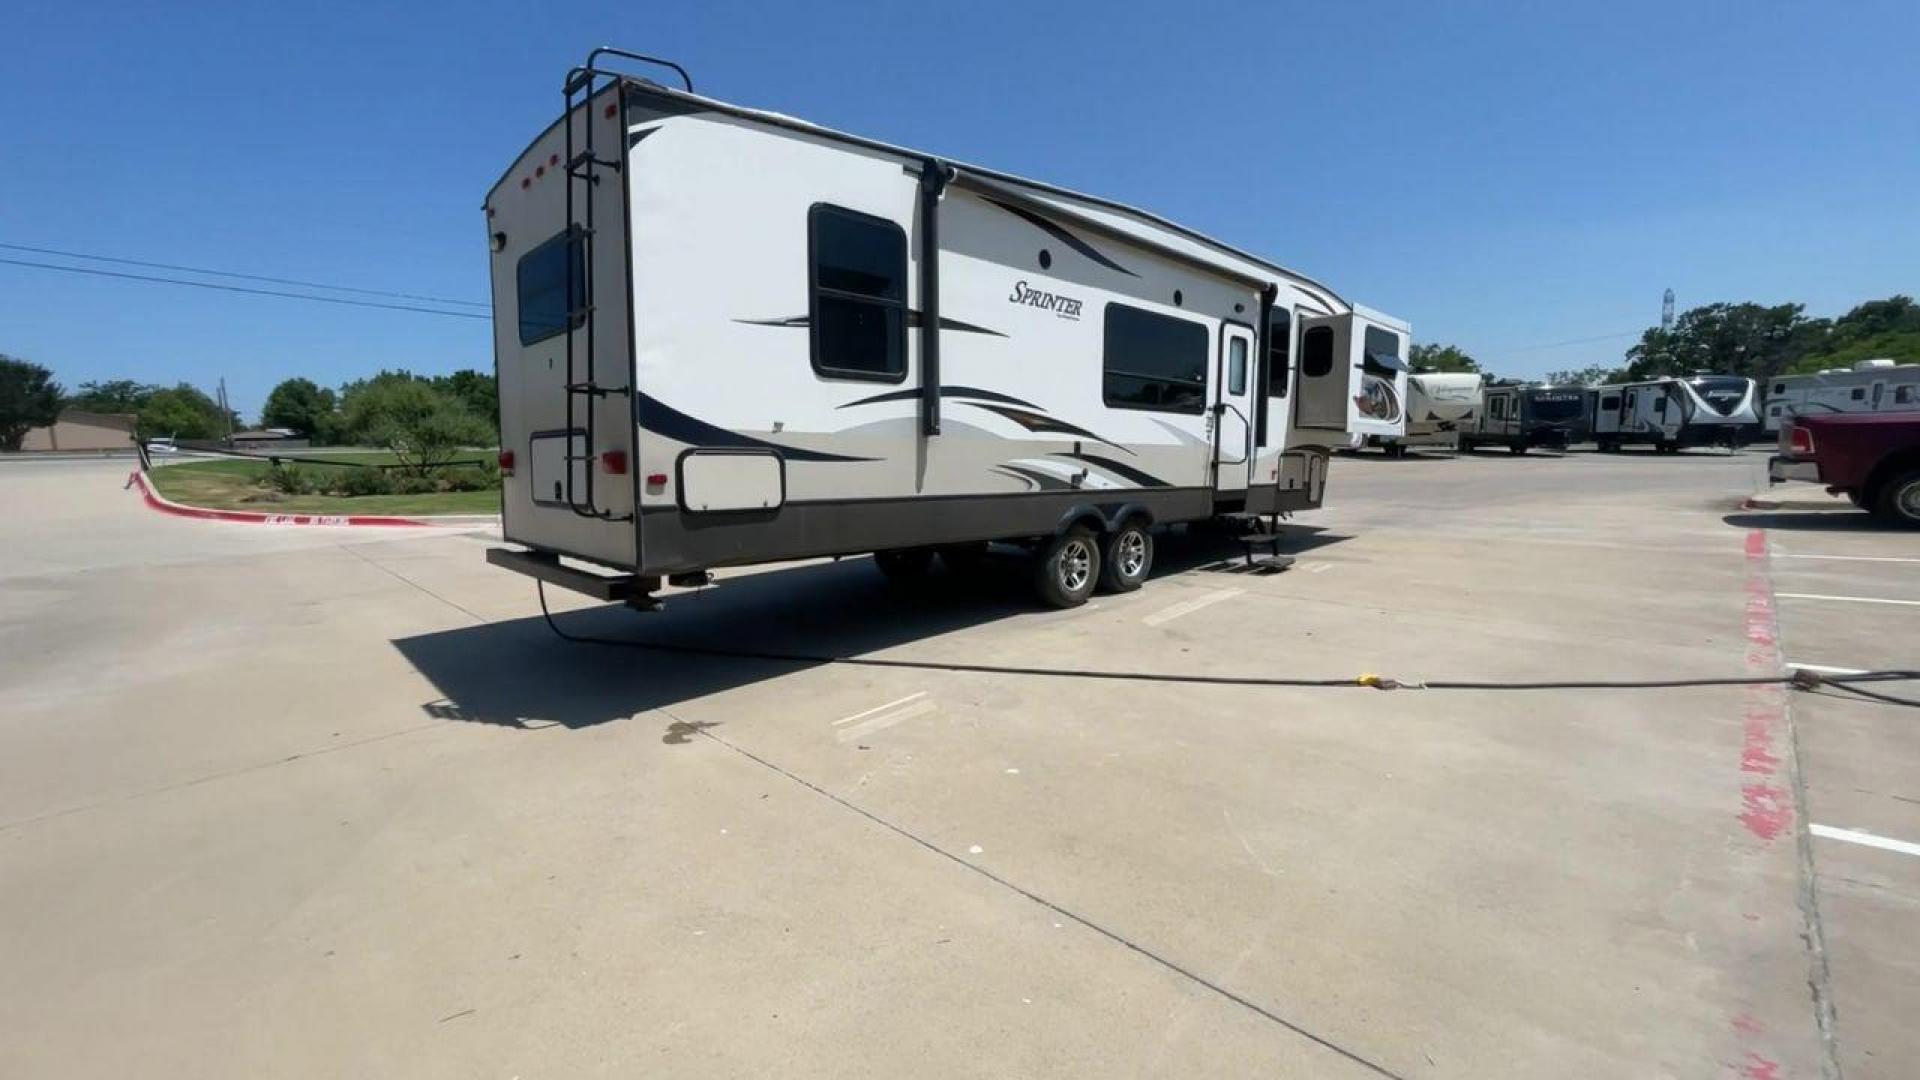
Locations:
1781 469
547 567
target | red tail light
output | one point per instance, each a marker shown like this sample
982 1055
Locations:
1800 441
614 462
506 463
658 479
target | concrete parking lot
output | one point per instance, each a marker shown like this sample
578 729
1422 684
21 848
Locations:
324 802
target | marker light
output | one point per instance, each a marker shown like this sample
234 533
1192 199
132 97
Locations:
506 463
614 462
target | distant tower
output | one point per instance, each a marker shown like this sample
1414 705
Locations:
1666 311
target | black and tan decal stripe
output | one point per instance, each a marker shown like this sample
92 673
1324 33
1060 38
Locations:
666 420
1059 232
913 320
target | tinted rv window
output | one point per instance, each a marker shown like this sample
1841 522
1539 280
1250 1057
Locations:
859 297
1279 350
1316 352
1903 395
1382 353
1237 366
549 280
1154 362
1859 393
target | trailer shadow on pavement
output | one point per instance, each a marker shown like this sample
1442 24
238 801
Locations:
520 674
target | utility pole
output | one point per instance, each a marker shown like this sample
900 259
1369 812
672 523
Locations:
1666 312
226 412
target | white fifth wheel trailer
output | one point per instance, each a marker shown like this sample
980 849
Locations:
726 336
1869 386
1440 405
1669 412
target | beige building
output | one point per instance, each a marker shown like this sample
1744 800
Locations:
76 430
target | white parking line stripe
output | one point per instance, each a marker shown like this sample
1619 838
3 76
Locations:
878 708
1188 607
1846 558
1822 669
1865 839
1848 599
883 721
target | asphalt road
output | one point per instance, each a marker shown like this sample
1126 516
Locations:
322 802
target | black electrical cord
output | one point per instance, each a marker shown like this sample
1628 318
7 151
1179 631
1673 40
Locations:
1801 679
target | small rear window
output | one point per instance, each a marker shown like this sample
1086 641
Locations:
551 280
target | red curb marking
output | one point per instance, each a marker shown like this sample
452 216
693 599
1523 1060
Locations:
1760 1068
167 506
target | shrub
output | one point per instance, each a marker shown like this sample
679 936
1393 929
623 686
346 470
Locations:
291 479
361 481
485 477
423 427
409 484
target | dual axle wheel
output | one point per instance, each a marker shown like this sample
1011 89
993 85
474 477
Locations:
1067 568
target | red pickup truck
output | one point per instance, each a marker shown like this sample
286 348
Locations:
1871 458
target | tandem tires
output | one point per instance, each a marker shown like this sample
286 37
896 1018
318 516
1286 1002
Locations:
1067 567
1516 448
1128 558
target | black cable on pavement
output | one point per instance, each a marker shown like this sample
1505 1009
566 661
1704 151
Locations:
1800 678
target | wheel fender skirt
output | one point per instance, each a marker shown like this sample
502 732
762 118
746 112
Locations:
1125 511
1081 514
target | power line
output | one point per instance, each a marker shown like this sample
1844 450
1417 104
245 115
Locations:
244 277
244 289
1570 341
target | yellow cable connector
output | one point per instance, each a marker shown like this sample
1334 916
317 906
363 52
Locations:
1378 682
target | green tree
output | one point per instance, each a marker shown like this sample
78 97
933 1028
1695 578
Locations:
1427 356
302 406
423 427
1754 340
1591 375
181 412
478 391
1877 329
29 398
113 396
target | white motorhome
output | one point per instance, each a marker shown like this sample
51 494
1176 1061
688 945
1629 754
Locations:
726 336
1670 412
1440 405
1869 386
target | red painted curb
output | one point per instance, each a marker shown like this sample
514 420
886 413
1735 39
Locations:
166 506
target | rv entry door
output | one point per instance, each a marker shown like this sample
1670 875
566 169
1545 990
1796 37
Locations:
1233 410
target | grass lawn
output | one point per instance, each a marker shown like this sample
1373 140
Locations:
240 485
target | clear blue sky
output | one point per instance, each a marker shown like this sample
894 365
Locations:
1503 176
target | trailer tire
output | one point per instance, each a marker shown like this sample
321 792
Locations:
1517 448
1067 567
904 565
1127 558
1899 499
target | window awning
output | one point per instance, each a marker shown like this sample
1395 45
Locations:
1388 361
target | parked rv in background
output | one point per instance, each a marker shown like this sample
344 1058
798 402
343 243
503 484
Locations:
1870 386
1440 404
727 336
1523 417
1669 413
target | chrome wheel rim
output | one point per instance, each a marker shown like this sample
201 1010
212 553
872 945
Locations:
1130 554
1908 500
1076 565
